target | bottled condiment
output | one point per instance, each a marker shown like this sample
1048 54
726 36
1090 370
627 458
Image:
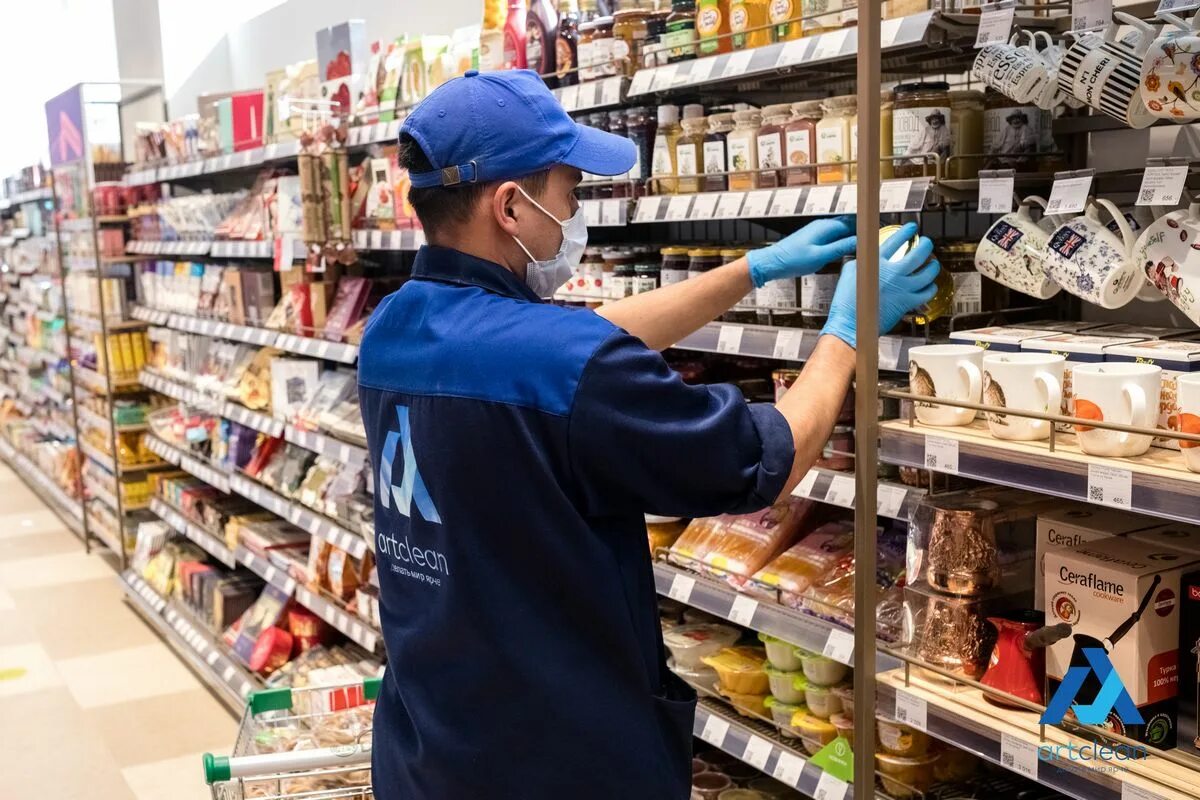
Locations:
921 124
701 260
662 168
816 294
541 36
887 104
772 145
966 134
585 43
656 53
712 27
689 154
785 16
1011 133
645 277
603 46
681 31
616 125
674 267
566 46
744 310
742 147
800 142
833 138
514 35
629 37
821 15
777 303
715 158
620 264
594 257
640 127
593 273
748 23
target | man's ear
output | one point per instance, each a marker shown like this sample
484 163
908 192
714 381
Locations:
505 207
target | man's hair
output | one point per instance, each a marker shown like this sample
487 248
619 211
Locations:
440 206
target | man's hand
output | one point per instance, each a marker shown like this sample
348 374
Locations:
803 252
905 284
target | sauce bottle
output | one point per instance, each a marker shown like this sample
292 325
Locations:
681 31
800 142
716 160
712 27
514 35
833 138
541 36
785 16
744 17
771 144
662 165
742 147
689 154
585 48
566 46
616 125
639 128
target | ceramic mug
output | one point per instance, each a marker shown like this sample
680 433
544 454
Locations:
1106 74
1023 382
1092 262
1139 218
948 371
1051 55
1168 253
1016 72
1187 388
1116 392
1170 79
1013 250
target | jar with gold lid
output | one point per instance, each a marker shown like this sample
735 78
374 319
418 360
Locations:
921 127
702 259
771 144
966 133
674 267
629 39
800 142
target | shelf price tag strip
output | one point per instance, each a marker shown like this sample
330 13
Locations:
996 189
788 768
1162 185
1110 486
714 731
911 710
1019 756
1069 193
995 23
941 454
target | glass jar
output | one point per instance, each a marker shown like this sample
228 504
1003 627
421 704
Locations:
821 15
640 127
771 145
712 27
681 31
645 278
599 121
585 50
966 134
656 53
619 264
674 267
741 145
593 260
689 154
616 125
747 23
603 48
629 39
833 138
816 295
887 103
921 124
972 294
1012 133
800 142
662 165
566 44
744 310
940 305
701 260
785 16
777 303
593 274
716 160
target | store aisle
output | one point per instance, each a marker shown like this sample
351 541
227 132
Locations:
92 704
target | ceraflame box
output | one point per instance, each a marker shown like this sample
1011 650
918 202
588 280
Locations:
1189 664
1075 524
1121 596
1176 535
1002 338
1141 331
1063 325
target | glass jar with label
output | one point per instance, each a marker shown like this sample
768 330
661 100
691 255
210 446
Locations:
620 264
887 102
629 38
833 138
778 303
681 31
603 46
741 145
645 277
771 144
716 161
800 142
1012 133
599 121
921 125
712 27
744 310
593 289
785 16
972 293
701 260
816 294
566 44
747 23
662 165
640 127
616 125
656 52
821 15
585 50
689 154
966 129
674 267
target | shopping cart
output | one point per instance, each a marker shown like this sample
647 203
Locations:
310 743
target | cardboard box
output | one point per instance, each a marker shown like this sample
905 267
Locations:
249 120
1063 326
1098 589
232 302
1002 338
342 59
1142 331
1075 524
1079 348
1188 739
258 296
1176 535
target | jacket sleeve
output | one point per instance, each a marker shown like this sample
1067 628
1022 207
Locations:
640 439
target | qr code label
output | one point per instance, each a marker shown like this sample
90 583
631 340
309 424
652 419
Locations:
1146 196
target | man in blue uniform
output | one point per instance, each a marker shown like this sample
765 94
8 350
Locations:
518 444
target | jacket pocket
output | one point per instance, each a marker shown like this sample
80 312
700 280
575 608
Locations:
676 712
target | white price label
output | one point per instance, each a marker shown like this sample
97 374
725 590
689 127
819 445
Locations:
730 205
591 213
820 200
788 768
642 80
610 91
911 710
889 352
840 647
784 203
787 344
701 70
841 491
995 24
1132 792
742 610
729 338
1090 15
889 31
996 194
847 202
830 45
738 63
664 77
647 209
376 238
757 752
1110 486
704 206
757 203
1174 7
890 500
830 788
570 97
805 487
1069 195
714 730
1019 755
678 207
941 454
893 195
610 212
1162 186
681 588
794 52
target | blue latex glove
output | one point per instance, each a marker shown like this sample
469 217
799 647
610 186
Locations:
818 243
904 285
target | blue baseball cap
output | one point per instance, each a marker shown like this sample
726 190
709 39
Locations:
503 125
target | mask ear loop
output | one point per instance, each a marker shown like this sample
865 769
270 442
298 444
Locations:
542 208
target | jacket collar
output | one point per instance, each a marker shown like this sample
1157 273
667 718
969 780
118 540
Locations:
447 265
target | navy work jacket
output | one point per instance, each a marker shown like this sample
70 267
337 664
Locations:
517 446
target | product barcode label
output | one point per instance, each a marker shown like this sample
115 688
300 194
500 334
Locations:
681 588
641 81
1174 7
1162 186
701 70
784 203
714 730
890 500
729 339
788 768
1069 195
805 487
569 97
830 45
704 206
820 200
1019 756
1090 15
841 491
678 207
830 788
738 63
730 205
742 610
757 203
647 209
1110 486
995 24
941 454
911 710
847 202
839 646
757 751
787 344
893 195
996 194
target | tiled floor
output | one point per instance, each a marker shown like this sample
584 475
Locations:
93 705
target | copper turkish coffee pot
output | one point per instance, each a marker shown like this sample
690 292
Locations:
1017 665
962 555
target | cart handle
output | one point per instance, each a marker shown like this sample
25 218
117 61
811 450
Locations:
281 699
218 769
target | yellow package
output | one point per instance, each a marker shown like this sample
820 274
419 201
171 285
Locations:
741 669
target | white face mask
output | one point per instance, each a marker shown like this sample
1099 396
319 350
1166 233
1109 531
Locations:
545 277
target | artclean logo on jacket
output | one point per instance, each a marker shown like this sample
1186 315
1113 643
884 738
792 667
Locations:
412 486
1113 696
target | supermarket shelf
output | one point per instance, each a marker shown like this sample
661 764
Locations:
401 240
31 196
179 391
112 219
97 489
895 500
70 510
787 344
93 381
87 323
257 249
107 536
376 133
106 461
138 247
211 475
75 225
90 417
593 95
302 517
208 541
1160 485
263 423
355 628
897 195
349 454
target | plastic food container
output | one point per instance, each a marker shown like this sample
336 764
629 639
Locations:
814 731
844 726
740 669
821 701
821 670
787 686
748 705
689 644
899 739
717 760
845 693
700 676
698 766
782 714
771 788
709 785
905 777
781 654
741 773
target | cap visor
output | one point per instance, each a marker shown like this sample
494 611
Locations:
601 153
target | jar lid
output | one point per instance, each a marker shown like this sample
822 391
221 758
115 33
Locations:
668 114
807 108
704 252
603 22
749 115
674 251
778 110
929 86
841 102
722 120
629 13
966 96
734 252
590 25
693 111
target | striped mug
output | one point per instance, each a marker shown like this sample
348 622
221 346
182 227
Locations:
1105 73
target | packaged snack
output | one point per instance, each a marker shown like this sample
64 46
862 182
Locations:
691 644
752 540
786 686
697 540
783 713
741 669
795 570
781 654
343 574
748 705
318 562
